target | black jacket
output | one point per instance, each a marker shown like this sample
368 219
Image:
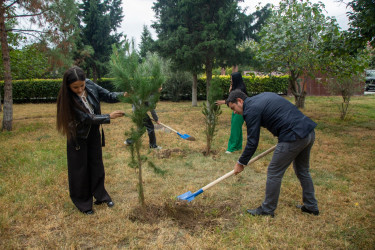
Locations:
84 120
278 115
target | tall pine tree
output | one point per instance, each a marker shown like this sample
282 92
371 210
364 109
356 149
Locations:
100 21
147 42
201 34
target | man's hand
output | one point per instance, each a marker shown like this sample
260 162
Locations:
238 168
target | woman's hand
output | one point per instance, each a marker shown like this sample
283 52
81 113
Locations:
116 114
126 94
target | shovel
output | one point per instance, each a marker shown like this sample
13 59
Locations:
183 136
189 196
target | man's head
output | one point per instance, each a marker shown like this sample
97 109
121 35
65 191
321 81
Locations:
235 101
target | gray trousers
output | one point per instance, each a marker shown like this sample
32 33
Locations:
285 153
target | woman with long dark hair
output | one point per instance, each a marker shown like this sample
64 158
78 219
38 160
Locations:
235 139
79 118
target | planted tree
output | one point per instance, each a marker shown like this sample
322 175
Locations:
290 41
211 111
142 81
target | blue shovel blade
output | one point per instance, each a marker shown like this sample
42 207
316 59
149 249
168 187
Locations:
189 196
183 136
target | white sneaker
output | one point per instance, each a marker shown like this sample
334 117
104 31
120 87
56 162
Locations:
128 142
228 152
155 147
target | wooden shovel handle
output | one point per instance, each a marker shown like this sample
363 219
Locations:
168 127
232 172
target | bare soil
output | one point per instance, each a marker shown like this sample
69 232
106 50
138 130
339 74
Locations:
191 216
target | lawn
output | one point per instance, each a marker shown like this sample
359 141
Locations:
36 211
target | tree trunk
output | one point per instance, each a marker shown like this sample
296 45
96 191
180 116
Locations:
297 90
8 99
194 92
209 78
300 100
141 195
208 146
1 106
94 74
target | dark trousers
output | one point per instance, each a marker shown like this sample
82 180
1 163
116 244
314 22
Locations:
150 130
86 171
285 153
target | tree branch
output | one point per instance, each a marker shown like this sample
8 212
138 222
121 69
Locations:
18 30
10 5
29 15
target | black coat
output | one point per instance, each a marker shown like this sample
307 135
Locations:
278 115
84 120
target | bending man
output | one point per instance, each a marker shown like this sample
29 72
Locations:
296 136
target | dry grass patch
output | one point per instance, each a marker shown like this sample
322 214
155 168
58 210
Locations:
36 211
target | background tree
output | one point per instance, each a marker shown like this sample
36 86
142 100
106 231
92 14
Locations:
44 15
177 85
244 55
200 35
289 42
342 69
60 46
362 22
100 20
27 63
147 43
142 81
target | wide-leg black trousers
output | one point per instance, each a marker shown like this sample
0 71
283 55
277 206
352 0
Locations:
86 170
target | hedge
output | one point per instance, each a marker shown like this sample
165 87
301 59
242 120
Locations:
254 84
46 90
42 90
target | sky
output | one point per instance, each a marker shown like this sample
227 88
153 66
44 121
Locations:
139 12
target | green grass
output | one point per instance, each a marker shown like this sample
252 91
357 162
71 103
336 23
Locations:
36 211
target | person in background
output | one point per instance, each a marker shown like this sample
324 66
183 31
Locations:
235 139
147 122
296 136
79 118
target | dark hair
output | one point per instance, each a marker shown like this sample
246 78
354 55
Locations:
66 102
237 82
73 74
233 95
